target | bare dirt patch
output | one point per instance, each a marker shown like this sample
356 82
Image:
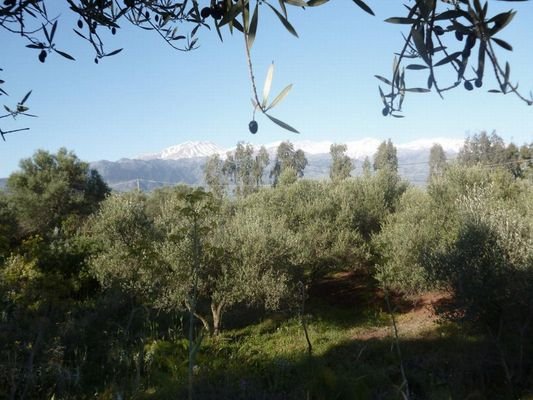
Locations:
415 315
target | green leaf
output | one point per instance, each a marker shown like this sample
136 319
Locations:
417 90
507 73
119 50
382 95
280 96
296 3
253 26
503 43
53 32
416 66
66 55
268 84
283 8
284 21
448 58
237 25
449 14
501 21
316 3
282 124
25 98
420 46
363 6
46 34
401 20
235 10
384 80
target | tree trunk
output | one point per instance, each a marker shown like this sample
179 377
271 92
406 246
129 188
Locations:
216 311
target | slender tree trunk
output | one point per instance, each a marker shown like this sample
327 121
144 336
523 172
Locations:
216 311
13 390
28 374
193 300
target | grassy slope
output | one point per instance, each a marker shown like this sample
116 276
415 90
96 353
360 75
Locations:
353 355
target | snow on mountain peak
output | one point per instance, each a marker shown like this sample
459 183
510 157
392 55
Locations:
357 149
189 149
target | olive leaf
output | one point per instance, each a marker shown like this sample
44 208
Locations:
280 97
363 6
268 85
253 26
284 21
284 125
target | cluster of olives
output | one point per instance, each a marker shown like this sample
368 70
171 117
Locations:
216 11
478 83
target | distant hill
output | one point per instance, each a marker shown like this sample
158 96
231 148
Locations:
127 174
183 164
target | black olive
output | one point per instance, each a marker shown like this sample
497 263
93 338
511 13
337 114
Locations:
216 13
478 83
42 55
438 30
205 13
80 24
252 126
468 85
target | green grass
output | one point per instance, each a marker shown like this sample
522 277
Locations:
268 360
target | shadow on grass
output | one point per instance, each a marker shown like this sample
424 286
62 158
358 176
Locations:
267 359
437 368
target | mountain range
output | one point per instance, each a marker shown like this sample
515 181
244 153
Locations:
183 163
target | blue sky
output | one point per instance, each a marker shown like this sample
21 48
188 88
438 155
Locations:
149 97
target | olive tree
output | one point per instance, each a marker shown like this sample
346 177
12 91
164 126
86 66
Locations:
193 253
54 192
241 258
489 270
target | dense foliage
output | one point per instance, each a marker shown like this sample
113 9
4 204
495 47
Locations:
96 288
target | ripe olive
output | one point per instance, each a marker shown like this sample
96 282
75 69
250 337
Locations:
478 83
468 85
80 24
217 13
438 30
385 111
206 12
42 55
252 126
458 35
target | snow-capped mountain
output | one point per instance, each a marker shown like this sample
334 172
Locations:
187 149
357 149
184 163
